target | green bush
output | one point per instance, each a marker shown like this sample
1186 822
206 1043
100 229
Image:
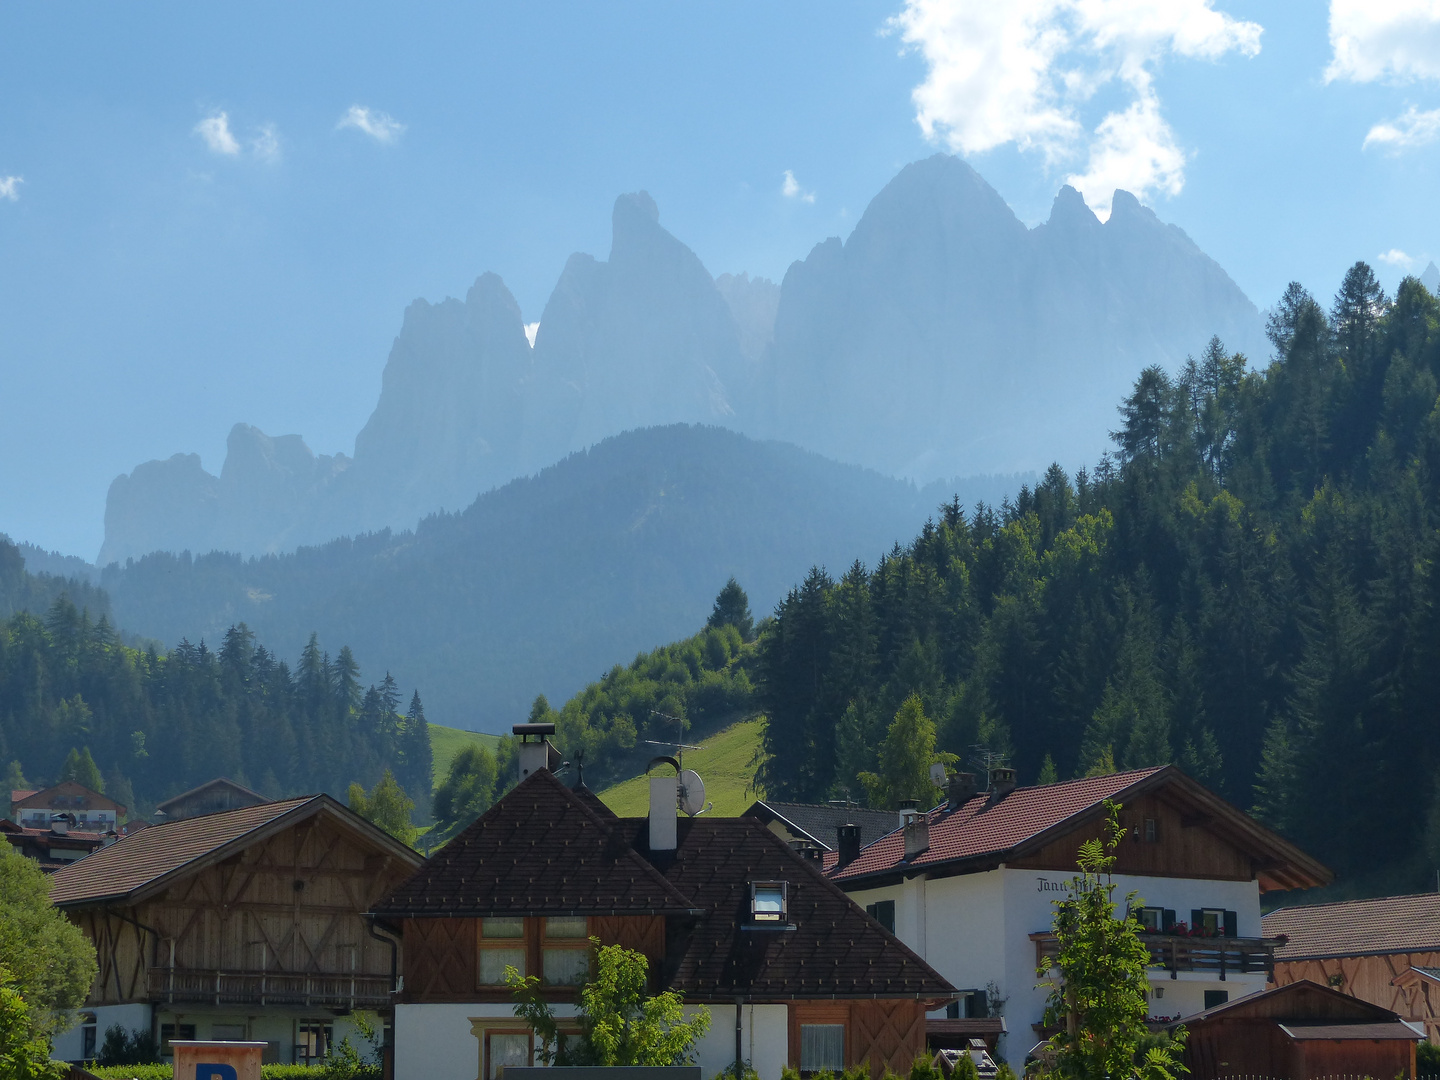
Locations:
1427 1059
267 1072
132 1072
924 1069
747 1073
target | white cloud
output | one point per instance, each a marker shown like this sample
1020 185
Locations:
380 126
1396 257
215 130
531 329
791 189
1410 129
1021 71
266 145
1393 40
10 187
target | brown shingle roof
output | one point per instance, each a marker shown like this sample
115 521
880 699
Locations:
540 850
835 950
1389 924
821 822
149 858
1027 817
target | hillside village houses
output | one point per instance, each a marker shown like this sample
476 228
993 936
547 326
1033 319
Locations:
727 913
970 884
246 924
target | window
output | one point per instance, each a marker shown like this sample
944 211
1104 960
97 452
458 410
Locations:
1159 993
973 1005
768 901
1216 997
1151 919
822 1046
565 951
883 912
171 1032
504 1048
312 1040
1152 830
1215 922
501 945
87 1036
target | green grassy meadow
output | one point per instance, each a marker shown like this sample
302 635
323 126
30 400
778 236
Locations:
446 742
724 765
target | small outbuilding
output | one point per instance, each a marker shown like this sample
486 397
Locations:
1302 1031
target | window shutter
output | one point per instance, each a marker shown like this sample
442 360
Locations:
1231 924
1197 918
979 1006
1169 923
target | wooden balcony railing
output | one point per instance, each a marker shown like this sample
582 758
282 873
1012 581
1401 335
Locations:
175 986
1175 953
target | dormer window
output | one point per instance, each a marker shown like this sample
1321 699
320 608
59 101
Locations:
769 901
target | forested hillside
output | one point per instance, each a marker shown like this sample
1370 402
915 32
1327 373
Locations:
1249 588
75 700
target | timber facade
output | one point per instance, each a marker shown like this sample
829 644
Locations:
250 923
818 985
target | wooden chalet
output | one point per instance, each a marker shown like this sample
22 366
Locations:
86 810
210 797
727 913
1300 1031
1385 951
246 924
57 844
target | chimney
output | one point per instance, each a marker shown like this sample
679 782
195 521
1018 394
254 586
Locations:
907 811
533 753
1002 782
60 824
917 836
961 790
807 850
664 798
848 844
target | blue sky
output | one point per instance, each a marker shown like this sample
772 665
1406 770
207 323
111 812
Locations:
191 234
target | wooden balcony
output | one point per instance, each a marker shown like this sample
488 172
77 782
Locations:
1175 953
173 986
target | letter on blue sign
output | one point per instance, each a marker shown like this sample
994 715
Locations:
215 1072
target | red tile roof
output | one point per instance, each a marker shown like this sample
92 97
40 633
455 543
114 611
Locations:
148 858
1389 924
979 828
985 832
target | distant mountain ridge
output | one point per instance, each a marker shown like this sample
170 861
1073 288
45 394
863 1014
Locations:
942 338
548 581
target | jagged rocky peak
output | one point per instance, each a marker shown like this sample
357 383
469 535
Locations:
753 303
1070 211
1431 278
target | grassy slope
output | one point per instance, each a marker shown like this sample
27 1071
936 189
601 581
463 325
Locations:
446 742
724 765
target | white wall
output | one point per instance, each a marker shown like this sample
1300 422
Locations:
69 1044
437 1042
765 1036
975 929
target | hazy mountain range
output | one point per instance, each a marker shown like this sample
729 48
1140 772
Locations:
942 339
545 583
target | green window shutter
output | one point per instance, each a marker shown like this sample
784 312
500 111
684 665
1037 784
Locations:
1231 924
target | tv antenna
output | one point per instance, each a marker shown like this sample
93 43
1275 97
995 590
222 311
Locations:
680 747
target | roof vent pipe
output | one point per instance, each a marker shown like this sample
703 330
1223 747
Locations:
533 752
848 844
1002 782
960 790
664 804
917 836
907 811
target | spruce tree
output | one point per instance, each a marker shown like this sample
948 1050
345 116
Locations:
732 608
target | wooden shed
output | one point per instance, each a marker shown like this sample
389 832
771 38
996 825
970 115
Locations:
1301 1031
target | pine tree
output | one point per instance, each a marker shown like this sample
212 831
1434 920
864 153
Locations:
732 608
416 756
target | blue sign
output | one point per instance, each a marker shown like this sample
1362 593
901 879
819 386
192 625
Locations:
215 1072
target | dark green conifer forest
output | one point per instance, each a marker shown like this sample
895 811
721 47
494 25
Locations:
1248 588
77 702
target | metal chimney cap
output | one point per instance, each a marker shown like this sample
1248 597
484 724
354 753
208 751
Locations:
533 729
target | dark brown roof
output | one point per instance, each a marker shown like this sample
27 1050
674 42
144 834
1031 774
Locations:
1388 924
1299 1002
151 858
820 823
1391 1029
982 833
541 850
219 781
835 950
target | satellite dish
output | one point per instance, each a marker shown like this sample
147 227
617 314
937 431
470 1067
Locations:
692 792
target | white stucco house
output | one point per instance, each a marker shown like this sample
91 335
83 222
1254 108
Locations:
970 887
